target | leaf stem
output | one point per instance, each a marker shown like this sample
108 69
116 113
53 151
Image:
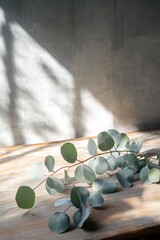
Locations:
110 175
67 209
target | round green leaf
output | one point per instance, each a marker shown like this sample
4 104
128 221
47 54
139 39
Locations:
142 163
154 175
96 200
79 196
125 177
134 146
124 140
92 147
54 185
105 141
77 216
49 162
51 191
132 161
37 171
25 197
144 175
120 161
101 166
93 163
69 152
83 173
59 222
112 163
103 186
115 135
81 215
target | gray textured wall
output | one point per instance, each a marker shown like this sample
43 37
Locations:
72 68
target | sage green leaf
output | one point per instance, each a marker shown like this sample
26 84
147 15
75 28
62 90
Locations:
79 196
120 161
104 186
77 217
125 177
132 162
105 141
142 163
81 215
83 173
93 163
132 168
92 147
124 140
63 202
144 173
59 222
37 171
154 175
51 191
112 163
54 185
134 146
25 197
99 165
49 162
69 152
115 135
96 200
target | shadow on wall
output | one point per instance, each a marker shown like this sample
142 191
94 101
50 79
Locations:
10 72
15 91
72 68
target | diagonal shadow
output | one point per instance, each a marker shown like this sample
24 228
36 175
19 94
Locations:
19 155
69 41
10 71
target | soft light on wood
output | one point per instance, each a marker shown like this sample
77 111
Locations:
130 212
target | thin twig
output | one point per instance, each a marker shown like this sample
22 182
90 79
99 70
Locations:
80 162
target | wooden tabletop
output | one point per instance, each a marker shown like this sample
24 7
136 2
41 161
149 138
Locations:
129 213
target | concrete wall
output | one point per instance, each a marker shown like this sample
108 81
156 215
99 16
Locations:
71 68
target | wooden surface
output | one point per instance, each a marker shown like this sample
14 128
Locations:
130 212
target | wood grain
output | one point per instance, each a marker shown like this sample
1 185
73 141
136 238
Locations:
128 213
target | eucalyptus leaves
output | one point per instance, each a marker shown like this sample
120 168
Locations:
113 159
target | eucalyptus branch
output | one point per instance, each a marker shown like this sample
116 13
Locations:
81 162
90 171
